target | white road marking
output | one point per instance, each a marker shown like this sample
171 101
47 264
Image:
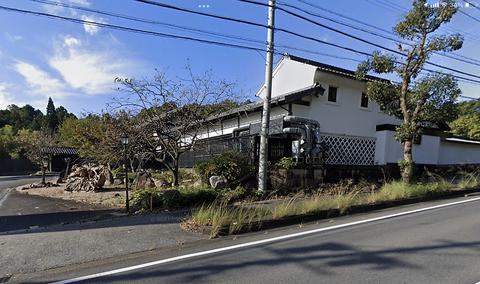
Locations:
259 242
4 197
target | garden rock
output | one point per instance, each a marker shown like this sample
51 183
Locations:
218 182
161 183
118 181
86 178
108 176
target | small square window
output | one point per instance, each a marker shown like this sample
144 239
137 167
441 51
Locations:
364 101
332 94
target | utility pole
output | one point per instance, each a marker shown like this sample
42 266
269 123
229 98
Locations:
263 157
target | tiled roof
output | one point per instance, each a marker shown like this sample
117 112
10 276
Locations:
55 150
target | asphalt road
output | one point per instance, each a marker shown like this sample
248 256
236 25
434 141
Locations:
435 246
7 182
22 211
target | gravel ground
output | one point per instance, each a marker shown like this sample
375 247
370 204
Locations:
108 197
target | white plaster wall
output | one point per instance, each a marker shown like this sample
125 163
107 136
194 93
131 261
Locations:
459 153
289 76
381 147
388 150
345 117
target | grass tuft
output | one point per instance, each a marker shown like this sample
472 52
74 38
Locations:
220 214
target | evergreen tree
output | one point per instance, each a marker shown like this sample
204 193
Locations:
419 99
51 118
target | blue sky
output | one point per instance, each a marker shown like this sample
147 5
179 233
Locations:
76 64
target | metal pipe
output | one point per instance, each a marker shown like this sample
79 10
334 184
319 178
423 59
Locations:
237 130
298 119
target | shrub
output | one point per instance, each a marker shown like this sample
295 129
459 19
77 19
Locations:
147 198
183 174
233 166
171 198
231 195
285 163
195 196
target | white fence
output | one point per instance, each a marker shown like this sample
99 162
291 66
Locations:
349 150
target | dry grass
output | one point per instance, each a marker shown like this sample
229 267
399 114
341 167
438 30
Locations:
220 214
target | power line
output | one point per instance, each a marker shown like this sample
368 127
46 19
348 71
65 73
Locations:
129 29
354 37
402 10
471 4
222 35
294 33
158 34
147 21
320 8
462 59
470 16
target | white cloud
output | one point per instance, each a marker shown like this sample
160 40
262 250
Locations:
70 41
91 71
40 81
57 9
89 28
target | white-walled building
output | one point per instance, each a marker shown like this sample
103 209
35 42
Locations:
326 105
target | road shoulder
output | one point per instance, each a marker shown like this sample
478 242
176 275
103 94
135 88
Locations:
203 245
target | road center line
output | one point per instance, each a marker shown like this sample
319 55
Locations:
259 242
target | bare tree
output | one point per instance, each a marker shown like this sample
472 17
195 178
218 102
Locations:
171 115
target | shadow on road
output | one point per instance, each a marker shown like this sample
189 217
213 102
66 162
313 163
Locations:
20 222
320 260
79 220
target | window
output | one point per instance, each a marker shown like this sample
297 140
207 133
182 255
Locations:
364 101
332 94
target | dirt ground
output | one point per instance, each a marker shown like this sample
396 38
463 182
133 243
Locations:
109 197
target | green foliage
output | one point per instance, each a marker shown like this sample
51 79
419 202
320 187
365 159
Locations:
231 195
185 175
403 164
177 197
8 143
406 132
51 118
466 126
286 163
468 122
418 99
233 166
27 117
146 198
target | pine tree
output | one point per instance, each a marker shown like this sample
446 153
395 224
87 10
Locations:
51 119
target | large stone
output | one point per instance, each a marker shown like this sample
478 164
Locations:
161 183
218 182
87 178
108 176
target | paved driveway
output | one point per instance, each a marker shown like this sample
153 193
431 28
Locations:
22 211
